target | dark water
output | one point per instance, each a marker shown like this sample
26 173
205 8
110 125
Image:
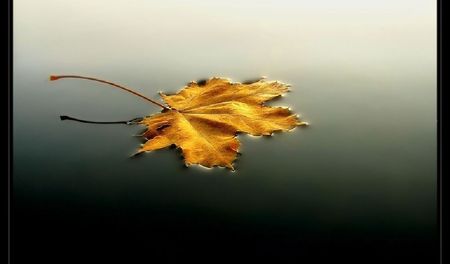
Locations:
360 181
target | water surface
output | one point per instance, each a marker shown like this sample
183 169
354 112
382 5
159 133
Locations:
361 177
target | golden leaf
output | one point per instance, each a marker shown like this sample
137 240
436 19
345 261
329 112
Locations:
203 120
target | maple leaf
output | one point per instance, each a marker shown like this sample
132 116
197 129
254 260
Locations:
203 120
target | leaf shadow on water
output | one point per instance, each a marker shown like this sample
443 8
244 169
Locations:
253 80
202 81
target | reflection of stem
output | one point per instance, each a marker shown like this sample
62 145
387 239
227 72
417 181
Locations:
130 122
57 77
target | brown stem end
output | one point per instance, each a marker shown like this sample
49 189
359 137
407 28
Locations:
54 77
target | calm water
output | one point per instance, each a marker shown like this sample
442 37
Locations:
363 175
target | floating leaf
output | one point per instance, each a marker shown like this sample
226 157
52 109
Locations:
203 119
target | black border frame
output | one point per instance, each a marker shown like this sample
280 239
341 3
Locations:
8 7
9 181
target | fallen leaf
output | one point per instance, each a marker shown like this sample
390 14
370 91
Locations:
203 120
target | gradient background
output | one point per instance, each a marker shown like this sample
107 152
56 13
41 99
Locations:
358 184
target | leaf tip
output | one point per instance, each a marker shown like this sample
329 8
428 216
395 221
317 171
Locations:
137 153
303 124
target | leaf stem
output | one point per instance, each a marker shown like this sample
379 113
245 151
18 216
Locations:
130 122
57 77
